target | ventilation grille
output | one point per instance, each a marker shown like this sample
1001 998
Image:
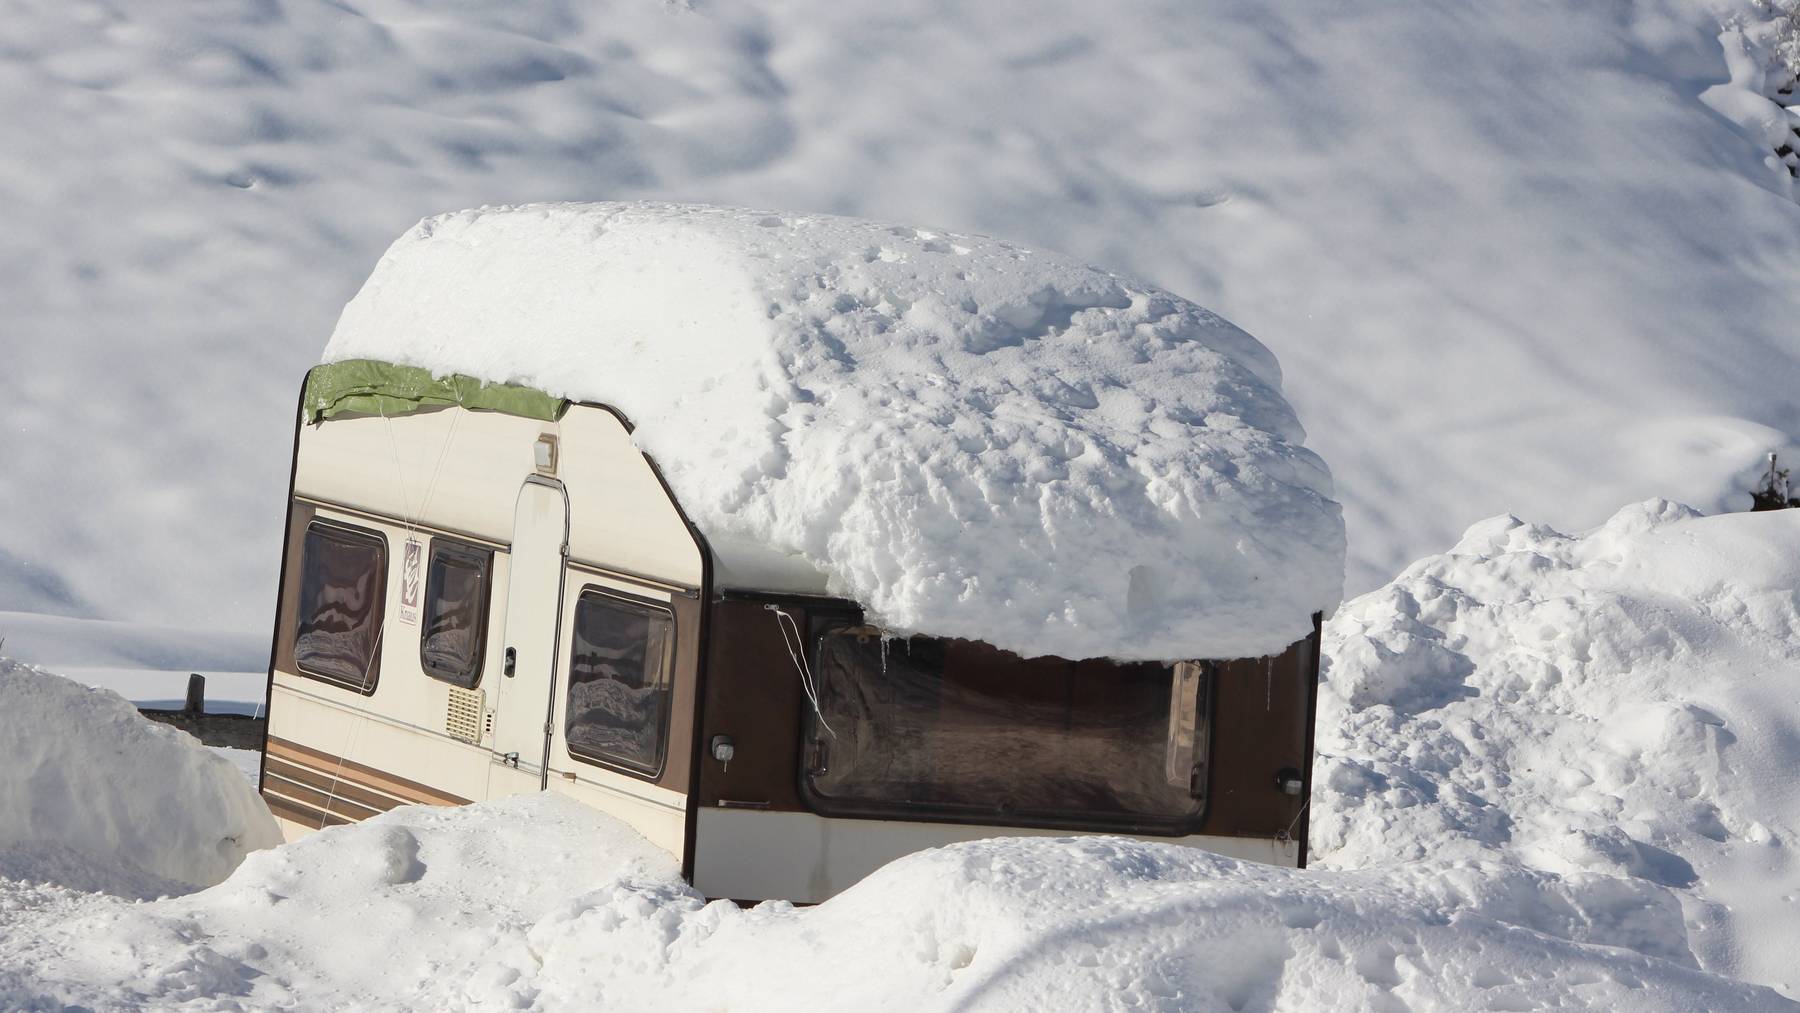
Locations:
463 720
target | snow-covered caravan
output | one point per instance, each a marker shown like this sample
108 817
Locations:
774 536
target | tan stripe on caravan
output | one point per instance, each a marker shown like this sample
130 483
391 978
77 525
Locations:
336 787
336 804
359 774
302 814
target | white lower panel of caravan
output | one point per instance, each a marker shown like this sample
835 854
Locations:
657 813
752 855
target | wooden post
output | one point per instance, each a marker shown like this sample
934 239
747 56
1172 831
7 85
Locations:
196 696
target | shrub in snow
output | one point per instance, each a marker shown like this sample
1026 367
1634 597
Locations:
95 795
971 438
1623 702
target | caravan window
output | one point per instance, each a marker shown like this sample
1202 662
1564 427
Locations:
619 681
454 630
960 730
342 583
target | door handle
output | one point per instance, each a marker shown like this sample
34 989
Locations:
511 663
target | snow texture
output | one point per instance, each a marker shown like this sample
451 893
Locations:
458 905
96 796
1508 258
971 438
1621 702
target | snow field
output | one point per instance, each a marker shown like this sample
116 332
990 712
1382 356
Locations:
96 796
971 438
458 905
1625 702
1508 258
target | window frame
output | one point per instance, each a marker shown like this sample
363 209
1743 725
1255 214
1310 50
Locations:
613 763
353 533
1206 703
457 547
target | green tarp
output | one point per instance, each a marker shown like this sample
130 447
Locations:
371 387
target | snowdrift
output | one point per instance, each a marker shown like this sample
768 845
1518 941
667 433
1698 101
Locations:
1620 702
95 796
461 909
971 438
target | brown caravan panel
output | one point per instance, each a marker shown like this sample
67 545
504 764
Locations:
760 832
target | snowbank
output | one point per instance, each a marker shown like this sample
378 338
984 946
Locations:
971 438
95 796
460 907
1620 702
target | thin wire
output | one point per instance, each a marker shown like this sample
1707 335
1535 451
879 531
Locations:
798 654
1289 832
337 773
411 522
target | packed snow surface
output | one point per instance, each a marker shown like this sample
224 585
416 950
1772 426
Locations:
969 437
1624 702
94 795
1509 258
534 902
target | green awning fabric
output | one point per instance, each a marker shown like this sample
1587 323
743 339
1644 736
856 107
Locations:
371 387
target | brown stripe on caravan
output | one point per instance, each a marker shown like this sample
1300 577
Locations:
302 814
333 785
334 803
361 774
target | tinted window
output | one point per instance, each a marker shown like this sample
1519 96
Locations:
619 681
959 729
342 584
455 617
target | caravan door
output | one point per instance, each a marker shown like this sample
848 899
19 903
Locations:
527 683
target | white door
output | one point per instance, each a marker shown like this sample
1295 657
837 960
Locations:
527 683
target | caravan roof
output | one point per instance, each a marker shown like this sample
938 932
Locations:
970 438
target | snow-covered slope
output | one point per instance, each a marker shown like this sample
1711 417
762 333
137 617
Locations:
1624 701
458 907
971 438
1507 256
94 795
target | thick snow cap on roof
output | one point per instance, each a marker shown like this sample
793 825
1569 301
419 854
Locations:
970 438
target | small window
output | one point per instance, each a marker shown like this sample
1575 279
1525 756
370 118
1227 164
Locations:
619 681
453 637
342 583
960 730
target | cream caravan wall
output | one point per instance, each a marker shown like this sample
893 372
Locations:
460 471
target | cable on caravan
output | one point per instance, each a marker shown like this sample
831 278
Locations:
796 648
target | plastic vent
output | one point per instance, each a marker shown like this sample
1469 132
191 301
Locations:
463 719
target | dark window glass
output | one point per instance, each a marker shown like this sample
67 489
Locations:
454 629
961 730
619 681
342 584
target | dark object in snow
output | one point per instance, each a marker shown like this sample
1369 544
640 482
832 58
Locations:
1773 493
239 731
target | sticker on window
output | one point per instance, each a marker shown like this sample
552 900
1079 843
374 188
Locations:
410 582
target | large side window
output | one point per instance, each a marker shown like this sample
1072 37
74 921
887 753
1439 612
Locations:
342 585
454 634
955 729
619 681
